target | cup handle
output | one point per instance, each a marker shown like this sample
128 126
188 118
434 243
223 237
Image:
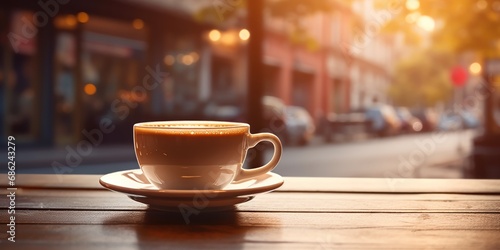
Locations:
253 140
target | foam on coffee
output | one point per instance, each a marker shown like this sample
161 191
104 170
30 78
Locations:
192 128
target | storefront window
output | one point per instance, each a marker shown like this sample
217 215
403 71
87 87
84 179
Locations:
112 68
222 82
65 87
19 79
181 90
99 62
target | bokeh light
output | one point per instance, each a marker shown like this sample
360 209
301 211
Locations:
138 24
82 17
244 34
169 60
426 23
187 59
412 4
89 89
214 35
475 68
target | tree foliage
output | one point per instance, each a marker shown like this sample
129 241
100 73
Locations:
461 27
465 25
422 79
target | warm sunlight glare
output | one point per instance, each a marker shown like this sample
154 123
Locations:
426 23
412 4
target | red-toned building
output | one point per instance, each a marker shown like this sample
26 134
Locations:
315 77
340 73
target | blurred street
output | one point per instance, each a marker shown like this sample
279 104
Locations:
372 157
381 157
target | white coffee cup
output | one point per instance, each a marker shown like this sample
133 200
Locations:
187 155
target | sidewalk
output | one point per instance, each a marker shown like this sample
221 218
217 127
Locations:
72 156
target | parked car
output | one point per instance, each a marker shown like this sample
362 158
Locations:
429 119
409 123
299 125
273 113
384 120
451 121
347 124
275 116
470 120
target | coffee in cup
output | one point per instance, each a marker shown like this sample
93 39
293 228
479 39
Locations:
186 155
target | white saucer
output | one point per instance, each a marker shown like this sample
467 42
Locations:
134 184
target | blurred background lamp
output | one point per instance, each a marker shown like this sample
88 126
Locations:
169 60
187 59
475 68
82 17
244 34
138 24
89 89
214 35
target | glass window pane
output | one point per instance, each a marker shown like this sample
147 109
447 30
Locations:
21 79
65 88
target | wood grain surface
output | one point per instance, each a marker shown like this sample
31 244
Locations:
306 213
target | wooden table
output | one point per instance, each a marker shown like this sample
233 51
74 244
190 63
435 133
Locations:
305 213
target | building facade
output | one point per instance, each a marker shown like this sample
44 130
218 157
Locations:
68 67
312 74
350 69
374 53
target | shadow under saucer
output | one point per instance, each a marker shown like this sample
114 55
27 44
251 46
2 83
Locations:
198 204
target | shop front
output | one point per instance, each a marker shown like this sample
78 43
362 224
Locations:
85 65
